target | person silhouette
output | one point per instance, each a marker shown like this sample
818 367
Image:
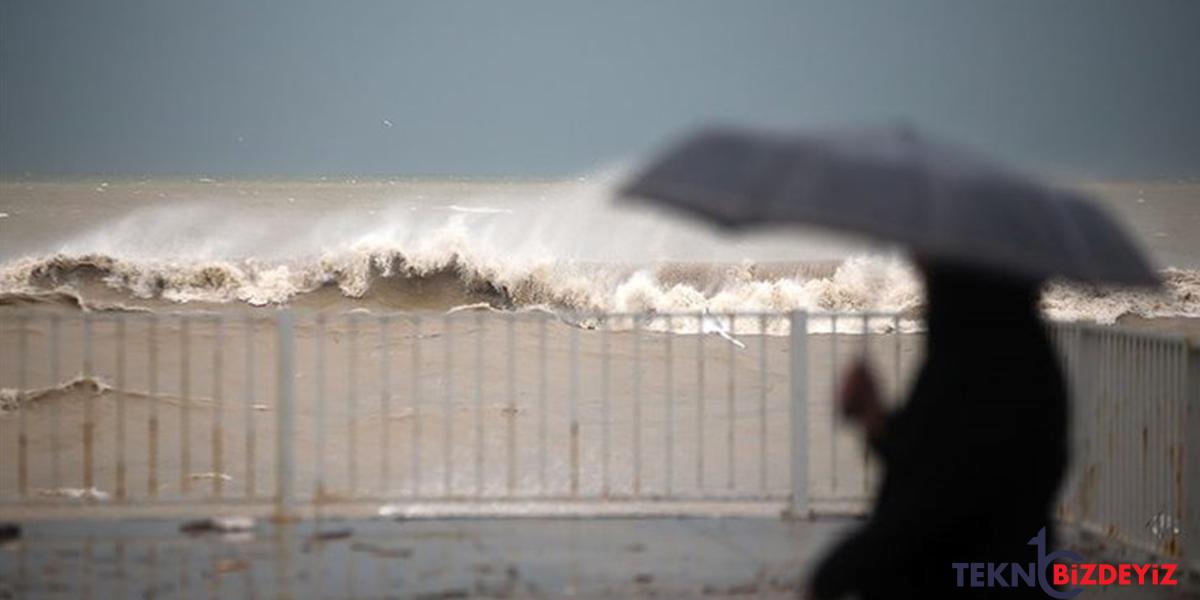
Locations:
973 460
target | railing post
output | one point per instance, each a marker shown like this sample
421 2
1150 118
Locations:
285 418
1191 460
1082 382
798 375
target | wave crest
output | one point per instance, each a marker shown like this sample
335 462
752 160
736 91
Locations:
390 278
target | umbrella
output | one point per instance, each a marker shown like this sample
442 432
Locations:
941 201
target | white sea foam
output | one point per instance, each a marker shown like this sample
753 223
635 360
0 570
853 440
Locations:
452 278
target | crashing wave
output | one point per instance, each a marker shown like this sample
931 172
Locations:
447 277
456 278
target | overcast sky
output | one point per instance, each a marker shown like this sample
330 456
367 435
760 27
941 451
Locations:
529 88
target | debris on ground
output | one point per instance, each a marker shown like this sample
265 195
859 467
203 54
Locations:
319 537
451 594
218 525
381 551
327 535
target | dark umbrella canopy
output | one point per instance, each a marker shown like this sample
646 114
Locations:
940 201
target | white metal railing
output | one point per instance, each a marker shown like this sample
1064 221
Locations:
468 406
1136 437
482 409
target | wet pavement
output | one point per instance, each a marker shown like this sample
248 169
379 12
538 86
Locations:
444 558
432 559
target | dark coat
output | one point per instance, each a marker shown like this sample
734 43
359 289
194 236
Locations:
973 460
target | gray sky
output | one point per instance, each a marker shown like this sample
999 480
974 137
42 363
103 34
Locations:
553 88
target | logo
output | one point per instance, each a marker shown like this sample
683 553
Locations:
1061 574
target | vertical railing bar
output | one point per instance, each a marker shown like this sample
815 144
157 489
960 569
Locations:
510 394
1156 377
896 353
1068 343
605 383
1111 431
185 400
669 387
248 400
1188 381
285 414
1162 413
700 403
1098 396
1100 389
1161 380
478 404
1122 434
573 401
1137 505
1082 387
1089 357
866 449
351 321
1184 418
1129 420
385 400
834 372
762 402
416 401
448 407
1132 424
1062 356
1093 356
1168 422
1189 417
320 408
1149 467
1153 436
1138 408
542 389
1107 427
218 407
637 404
730 408
55 407
152 420
89 425
1169 425
22 416
1136 467
121 392
798 403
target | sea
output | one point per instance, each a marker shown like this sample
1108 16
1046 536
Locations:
439 243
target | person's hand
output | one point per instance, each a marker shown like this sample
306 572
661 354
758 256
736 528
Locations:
859 399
